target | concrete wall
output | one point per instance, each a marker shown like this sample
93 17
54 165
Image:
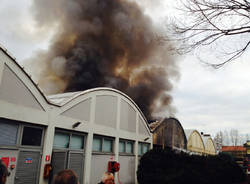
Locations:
79 111
106 110
13 90
128 117
127 169
99 165
19 97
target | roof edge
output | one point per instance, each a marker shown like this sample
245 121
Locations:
29 76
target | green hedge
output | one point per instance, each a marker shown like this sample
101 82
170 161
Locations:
167 167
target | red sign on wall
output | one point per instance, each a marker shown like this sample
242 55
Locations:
13 159
6 161
47 158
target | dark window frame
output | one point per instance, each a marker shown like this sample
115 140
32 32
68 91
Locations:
142 145
22 134
20 128
102 144
70 133
126 142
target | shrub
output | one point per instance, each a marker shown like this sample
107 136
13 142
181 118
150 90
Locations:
160 166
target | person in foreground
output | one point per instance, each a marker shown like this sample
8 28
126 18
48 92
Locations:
66 176
3 173
107 178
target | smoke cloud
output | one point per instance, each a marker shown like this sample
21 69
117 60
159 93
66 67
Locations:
104 43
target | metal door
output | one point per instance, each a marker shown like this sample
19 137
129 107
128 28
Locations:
68 160
76 163
59 161
28 167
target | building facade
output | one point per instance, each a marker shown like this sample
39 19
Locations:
82 131
195 144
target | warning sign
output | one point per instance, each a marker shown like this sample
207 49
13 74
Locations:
47 158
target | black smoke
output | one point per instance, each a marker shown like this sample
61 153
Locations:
105 43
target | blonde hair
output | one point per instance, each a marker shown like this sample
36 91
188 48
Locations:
107 175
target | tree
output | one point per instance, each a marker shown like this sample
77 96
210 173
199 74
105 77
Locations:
247 137
225 138
218 140
234 136
221 24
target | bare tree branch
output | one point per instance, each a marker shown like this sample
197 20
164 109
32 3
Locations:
209 22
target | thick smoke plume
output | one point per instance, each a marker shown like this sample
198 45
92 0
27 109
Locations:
104 43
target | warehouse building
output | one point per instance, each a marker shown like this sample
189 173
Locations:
195 143
169 133
199 143
82 131
209 144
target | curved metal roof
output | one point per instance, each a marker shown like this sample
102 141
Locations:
206 139
165 120
64 98
189 132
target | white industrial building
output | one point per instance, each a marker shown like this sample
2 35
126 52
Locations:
80 130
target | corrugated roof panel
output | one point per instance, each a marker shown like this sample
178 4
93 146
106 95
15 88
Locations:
62 98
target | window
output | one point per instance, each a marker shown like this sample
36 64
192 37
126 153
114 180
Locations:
129 147
61 140
97 144
68 140
140 149
107 145
76 142
126 146
102 144
32 136
8 133
143 148
122 147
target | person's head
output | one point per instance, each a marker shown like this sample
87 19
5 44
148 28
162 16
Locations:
66 176
3 173
108 178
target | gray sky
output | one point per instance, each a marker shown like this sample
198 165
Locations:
206 99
